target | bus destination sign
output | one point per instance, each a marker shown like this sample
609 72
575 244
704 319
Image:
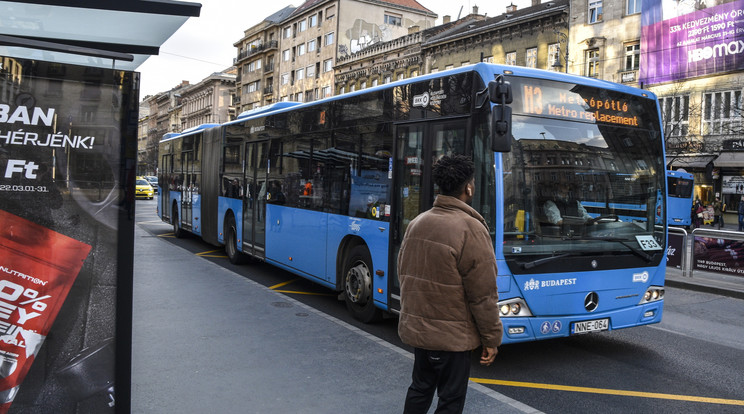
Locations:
560 100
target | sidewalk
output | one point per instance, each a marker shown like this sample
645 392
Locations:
717 283
208 340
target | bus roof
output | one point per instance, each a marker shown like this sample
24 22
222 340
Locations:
488 71
171 135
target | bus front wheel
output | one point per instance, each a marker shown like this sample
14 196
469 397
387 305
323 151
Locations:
358 286
231 242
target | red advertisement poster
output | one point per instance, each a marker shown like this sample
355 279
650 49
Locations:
37 269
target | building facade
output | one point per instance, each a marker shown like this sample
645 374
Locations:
258 53
209 101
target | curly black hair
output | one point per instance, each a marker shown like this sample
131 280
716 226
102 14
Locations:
452 172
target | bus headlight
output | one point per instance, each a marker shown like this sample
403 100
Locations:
514 307
653 294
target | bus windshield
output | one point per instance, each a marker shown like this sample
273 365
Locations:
585 177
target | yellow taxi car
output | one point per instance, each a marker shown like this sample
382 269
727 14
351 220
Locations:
144 189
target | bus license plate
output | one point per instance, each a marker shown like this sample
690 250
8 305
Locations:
590 326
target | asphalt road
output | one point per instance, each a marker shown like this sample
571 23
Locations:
692 362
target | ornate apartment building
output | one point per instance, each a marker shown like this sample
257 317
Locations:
294 57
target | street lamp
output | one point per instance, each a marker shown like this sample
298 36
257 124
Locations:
563 39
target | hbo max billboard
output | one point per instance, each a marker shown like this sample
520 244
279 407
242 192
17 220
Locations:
689 38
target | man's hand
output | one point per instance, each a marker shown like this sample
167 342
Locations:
488 355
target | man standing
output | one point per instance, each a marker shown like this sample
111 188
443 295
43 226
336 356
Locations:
741 214
447 272
718 209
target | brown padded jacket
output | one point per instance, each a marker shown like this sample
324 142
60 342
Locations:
447 273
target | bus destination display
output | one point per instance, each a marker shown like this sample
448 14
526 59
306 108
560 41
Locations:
580 103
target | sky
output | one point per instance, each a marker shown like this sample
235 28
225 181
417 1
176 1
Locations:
204 44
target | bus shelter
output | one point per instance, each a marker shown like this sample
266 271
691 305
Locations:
69 95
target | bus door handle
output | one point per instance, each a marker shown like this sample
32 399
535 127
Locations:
382 229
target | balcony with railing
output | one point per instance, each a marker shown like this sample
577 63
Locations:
272 44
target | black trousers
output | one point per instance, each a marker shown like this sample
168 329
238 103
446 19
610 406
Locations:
445 372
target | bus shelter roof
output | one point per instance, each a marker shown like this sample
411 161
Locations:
107 34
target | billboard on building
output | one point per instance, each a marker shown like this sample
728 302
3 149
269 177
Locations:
683 39
67 151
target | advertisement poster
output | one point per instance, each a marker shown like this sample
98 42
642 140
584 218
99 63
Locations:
675 249
64 213
719 255
732 184
686 39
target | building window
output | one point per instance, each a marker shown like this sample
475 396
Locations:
328 39
285 55
595 11
301 49
488 59
313 20
531 57
401 76
448 67
434 70
511 58
675 112
387 79
302 25
287 32
299 74
634 7
393 20
374 82
632 56
325 92
253 86
722 112
554 56
284 78
363 85
253 66
330 12
311 46
299 97
311 71
327 65
591 57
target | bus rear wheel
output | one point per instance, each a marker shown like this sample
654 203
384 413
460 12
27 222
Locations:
358 286
231 242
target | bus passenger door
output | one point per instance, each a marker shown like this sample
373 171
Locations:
186 200
418 147
254 203
166 168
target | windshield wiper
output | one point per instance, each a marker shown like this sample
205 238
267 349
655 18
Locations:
636 251
544 260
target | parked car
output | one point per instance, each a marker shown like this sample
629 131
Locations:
144 189
153 180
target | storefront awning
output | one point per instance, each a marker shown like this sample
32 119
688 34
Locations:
730 159
690 161
107 34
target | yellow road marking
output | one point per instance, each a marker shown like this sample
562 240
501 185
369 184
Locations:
209 253
609 391
304 293
284 283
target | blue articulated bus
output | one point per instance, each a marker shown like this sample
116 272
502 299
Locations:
326 189
680 187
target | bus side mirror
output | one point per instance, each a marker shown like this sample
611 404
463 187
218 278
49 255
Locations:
501 132
500 93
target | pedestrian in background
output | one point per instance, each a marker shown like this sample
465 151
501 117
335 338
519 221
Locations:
718 209
741 214
697 213
449 299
